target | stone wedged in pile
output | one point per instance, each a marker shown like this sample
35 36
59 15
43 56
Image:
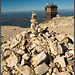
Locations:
39 52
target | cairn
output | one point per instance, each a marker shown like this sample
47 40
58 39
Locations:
33 21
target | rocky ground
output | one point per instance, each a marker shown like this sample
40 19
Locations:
47 50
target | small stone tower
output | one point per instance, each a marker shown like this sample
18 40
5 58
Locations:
33 20
51 11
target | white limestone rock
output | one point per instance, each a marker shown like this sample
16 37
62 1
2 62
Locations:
22 61
26 56
6 73
39 48
21 52
60 37
12 60
7 53
41 69
25 70
60 60
39 58
62 73
56 48
14 43
32 35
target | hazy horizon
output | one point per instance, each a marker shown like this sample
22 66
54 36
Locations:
38 10
29 5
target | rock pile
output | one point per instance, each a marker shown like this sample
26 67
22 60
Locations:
40 52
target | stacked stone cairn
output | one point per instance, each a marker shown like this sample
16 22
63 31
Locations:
38 53
33 21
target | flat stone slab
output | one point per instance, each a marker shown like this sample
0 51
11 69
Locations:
41 69
39 58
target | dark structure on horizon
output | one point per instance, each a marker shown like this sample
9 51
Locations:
51 11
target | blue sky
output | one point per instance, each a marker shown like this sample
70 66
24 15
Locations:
28 5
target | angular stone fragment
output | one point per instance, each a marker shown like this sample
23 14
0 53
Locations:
32 46
70 46
18 37
55 70
32 35
16 40
60 37
36 41
21 52
22 62
39 48
13 72
23 42
56 48
40 30
7 53
3 63
50 70
39 58
64 69
6 73
52 65
62 73
25 70
71 37
5 47
14 43
71 51
61 61
48 73
26 56
70 67
68 54
12 60
23 33
41 69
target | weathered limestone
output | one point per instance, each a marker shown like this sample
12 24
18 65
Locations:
26 56
22 61
50 70
32 35
39 48
7 53
60 37
6 73
39 58
21 52
62 73
25 70
68 54
60 60
52 65
12 60
70 46
56 48
3 63
55 70
41 69
5 46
